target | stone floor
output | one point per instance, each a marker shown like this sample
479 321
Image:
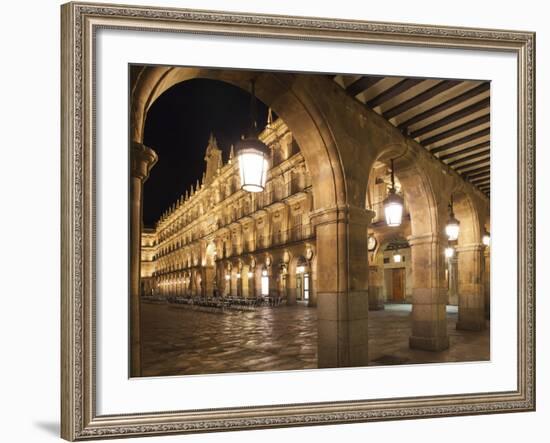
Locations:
180 340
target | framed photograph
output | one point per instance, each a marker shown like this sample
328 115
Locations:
277 221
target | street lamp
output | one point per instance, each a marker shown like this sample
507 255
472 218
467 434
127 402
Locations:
393 204
449 252
252 155
486 239
453 225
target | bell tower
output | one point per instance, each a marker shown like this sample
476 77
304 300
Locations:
213 159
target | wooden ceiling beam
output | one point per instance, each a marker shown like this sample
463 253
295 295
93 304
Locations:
451 118
421 98
465 151
481 174
469 165
394 91
468 157
471 93
481 182
362 84
457 130
461 141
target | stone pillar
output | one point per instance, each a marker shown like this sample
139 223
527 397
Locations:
487 282
342 286
252 283
142 159
209 275
312 284
452 268
239 283
429 311
376 282
471 290
291 288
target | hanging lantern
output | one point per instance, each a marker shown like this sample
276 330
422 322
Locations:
486 239
252 155
453 225
449 252
393 204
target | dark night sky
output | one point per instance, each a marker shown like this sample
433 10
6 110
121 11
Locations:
178 126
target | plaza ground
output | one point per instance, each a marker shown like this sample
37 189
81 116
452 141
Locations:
183 340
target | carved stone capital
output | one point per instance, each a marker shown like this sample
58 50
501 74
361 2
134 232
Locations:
415 240
142 159
472 247
342 214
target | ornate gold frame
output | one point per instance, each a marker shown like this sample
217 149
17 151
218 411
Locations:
79 420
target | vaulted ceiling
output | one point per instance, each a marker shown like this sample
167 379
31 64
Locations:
450 118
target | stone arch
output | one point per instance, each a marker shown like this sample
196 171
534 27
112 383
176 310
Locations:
285 93
469 262
424 190
210 254
470 221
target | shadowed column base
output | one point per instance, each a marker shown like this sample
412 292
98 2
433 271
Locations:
429 343
467 325
291 296
376 302
343 329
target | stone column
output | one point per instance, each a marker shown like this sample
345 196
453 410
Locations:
429 311
376 282
291 288
239 283
142 159
312 284
252 283
471 290
209 275
487 282
342 285
453 280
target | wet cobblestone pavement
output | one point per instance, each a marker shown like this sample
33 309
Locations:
179 340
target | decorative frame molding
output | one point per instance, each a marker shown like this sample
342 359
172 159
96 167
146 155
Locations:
79 420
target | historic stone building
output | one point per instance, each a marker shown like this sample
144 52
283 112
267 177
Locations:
336 142
220 240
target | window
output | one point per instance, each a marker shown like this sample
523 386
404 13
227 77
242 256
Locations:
306 287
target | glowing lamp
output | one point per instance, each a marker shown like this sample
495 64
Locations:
449 252
452 229
486 239
397 258
393 209
253 160
393 204
252 155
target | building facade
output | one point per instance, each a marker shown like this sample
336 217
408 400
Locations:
218 240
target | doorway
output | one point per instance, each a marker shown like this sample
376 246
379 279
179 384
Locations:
398 285
302 287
